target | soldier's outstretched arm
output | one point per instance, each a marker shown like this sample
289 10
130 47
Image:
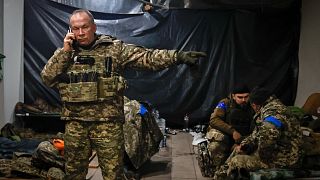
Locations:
189 57
155 59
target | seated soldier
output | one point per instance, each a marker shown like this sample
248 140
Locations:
231 120
274 143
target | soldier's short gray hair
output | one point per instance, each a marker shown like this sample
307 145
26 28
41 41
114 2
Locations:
83 11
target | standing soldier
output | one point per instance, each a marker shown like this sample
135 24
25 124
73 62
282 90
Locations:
87 72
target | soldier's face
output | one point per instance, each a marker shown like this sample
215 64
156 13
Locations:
241 98
255 107
83 28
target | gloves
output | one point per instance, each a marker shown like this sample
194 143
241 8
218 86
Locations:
189 57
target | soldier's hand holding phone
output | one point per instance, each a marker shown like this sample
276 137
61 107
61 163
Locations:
68 41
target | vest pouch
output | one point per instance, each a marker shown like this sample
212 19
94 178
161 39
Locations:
122 84
78 92
107 87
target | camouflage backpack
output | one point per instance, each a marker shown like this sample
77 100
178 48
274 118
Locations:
141 132
47 156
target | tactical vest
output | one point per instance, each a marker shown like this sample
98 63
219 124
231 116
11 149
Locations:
92 77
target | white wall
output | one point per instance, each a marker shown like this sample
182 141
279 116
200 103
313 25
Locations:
11 87
1 26
1 51
309 52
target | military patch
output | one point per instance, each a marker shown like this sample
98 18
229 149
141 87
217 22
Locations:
222 105
276 122
142 110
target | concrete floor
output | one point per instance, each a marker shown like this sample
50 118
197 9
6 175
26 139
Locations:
177 161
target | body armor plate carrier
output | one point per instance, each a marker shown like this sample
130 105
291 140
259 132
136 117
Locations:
91 78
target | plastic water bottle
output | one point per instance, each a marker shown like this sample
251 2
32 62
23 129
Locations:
155 114
186 123
162 127
164 141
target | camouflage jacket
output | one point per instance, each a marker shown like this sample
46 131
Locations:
277 137
123 56
219 118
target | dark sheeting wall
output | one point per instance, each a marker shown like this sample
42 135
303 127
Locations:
248 45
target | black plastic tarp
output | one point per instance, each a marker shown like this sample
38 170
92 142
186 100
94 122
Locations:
219 4
243 45
110 6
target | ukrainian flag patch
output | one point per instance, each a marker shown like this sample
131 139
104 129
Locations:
222 105
274 121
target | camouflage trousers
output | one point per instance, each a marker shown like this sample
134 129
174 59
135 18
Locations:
81 137
219 147
240 166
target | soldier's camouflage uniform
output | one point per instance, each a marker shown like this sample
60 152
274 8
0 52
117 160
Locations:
226 118
93 107
275 142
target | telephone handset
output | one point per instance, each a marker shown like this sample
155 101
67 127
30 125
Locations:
75 43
